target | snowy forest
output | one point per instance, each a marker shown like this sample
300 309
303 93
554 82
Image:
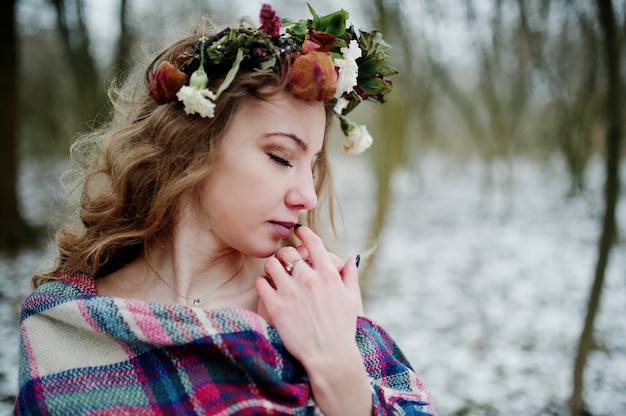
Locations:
490 210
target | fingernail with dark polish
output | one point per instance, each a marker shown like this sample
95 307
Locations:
357 260
295 227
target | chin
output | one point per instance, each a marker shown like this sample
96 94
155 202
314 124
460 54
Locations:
263 252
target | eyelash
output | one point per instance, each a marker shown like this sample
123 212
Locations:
280 161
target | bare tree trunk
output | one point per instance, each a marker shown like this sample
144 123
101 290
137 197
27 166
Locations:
392 152
73 28
389 154
124 42
613 138
15 233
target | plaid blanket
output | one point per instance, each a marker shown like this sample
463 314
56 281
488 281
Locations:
82 353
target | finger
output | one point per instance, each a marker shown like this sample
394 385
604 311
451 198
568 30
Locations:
303 252
350 274
350 277
264 287
288 255
318 255
275 269
261 309
337 261
270 281
267 296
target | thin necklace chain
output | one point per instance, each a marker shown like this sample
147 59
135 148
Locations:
194 300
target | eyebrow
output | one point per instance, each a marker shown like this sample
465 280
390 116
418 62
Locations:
301 144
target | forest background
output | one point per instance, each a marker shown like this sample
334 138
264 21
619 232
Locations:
495 81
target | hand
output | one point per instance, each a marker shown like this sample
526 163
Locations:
314 308
340 265
319 300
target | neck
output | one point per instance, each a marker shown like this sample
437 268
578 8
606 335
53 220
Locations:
200 275
191 266
190 274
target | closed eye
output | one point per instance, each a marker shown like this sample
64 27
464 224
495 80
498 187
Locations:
280 160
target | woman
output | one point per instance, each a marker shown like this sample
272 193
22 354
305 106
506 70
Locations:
177 291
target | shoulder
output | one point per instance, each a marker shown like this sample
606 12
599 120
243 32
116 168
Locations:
68 285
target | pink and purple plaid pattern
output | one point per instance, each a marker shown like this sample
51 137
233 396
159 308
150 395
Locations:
81 353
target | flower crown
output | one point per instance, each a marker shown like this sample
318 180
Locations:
328 61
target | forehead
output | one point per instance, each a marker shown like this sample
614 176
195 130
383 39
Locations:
282 112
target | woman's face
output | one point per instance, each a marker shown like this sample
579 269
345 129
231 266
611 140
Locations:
263 175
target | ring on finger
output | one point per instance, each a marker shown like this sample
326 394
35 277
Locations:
289 266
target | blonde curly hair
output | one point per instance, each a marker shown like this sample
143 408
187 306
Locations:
133 172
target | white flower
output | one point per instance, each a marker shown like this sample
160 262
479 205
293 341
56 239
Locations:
352 52
197 101
342 103
358 140
348 68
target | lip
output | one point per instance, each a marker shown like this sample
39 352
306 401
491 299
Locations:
282 228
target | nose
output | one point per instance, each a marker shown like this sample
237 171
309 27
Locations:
302 195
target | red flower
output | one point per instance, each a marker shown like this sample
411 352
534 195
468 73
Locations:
166 82
317 41
270 23
313 76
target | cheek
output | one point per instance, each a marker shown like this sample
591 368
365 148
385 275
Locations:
235 189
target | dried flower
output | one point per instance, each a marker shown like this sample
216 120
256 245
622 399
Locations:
318 42
199 79
328 60
270 23
341 105
373 80
166 82
348 68
197 101
358 139
313 77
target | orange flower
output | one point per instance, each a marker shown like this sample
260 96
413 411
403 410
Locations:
313 76
166 82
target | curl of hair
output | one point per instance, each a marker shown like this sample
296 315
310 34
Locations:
134 171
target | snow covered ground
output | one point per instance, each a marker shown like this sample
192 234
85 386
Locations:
484 289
